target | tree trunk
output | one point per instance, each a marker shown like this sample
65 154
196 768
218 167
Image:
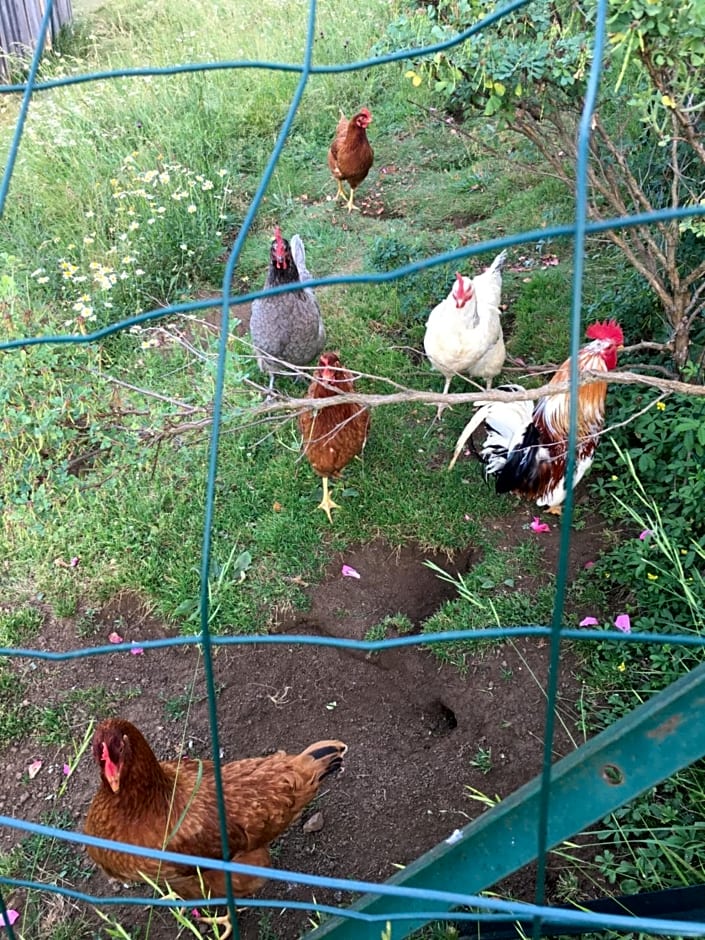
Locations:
681 334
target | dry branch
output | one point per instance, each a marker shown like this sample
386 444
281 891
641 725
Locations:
416 396
183 420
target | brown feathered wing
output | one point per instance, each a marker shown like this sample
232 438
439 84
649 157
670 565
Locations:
350 156
332 436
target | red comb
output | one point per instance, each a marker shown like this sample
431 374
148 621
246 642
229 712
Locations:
279 249
608 330
461 294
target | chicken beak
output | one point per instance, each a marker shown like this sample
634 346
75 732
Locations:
113 780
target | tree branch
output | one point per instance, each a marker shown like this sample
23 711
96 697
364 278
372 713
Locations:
418 396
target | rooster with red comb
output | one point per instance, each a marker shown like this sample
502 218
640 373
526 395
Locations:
526 446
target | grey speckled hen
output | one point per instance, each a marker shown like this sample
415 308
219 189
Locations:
286 328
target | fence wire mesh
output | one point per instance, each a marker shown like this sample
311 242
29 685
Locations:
424 903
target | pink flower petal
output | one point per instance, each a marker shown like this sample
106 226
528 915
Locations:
12 916
195 912
623 623
67 770
466 517
349 572
74 561
589 564
115 638
136 650
538 526
589 622
34 768
645 534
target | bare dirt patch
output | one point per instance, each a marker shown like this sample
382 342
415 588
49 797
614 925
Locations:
415 728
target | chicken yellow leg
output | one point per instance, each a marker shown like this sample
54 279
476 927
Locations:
341 191
351 204
326 504
442 407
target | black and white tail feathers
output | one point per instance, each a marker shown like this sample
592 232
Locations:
329 754
506 423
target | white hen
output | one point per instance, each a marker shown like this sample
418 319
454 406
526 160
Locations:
464 333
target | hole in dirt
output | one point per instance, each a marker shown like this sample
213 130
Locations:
395 593
439 719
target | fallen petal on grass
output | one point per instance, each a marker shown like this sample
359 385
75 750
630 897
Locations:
623 623
115 638
67 770
645 534
589 622
136 650
12 917
349 572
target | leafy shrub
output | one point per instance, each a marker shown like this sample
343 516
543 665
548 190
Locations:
653 482
419 293
662 830
666 445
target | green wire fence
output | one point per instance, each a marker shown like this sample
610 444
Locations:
657 739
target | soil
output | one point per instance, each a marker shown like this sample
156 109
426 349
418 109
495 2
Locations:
414 727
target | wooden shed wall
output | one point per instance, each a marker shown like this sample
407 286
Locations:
19 26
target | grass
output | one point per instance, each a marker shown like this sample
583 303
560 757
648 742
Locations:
36 854
126 196
52 861
482 760
492 595
14 717
19 626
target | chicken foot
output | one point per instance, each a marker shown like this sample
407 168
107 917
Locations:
351 204
326 504
223 920
349 200
341 191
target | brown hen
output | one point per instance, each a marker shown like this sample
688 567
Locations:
172 805
350 155
332 436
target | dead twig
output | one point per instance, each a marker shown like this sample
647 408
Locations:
417 396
